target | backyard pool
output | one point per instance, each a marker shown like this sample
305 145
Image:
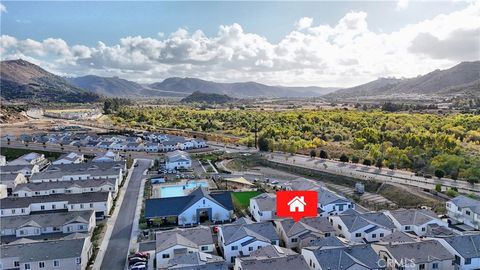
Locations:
180 190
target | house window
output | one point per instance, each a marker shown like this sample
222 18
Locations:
374 235
53 206
467 212
435 266
421 266
16 263
78 260
56 263
423 229
42 207
250 248
468 261
27 266
294 240
91 205
203 201
13 211
358 235
233 259
327 234
407 228
339 227
41 265
203 248
234 248
165 256
382 234
23 211
81 205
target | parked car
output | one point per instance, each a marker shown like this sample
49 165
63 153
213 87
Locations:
274 182
135 260
143 254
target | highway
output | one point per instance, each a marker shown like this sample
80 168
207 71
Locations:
363 172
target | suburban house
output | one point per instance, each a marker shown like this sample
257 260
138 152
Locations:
360 257
105 145
168 243
11 181
330 203
108 156
414 220
199 205
466 249
26 170
70 158
177 160
292 233
47 223
428 254
152 147
167 146
465 210
263 207
133 139
29 159
362 227
66 187
241 239
100 202
271 257
82 171
134 146
195 260
71 254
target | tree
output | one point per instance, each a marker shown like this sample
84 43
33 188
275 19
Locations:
323 154
439 173
263 144
391 166
367 162
355 159
438 187
379 163
344 158
313 153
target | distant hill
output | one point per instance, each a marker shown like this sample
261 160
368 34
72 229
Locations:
22 80
461 79
107 86
210 98
239 90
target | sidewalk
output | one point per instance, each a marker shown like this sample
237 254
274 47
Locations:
111 221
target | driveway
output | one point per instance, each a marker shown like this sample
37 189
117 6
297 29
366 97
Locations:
117 249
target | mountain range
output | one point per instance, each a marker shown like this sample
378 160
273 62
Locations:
462 79
21 80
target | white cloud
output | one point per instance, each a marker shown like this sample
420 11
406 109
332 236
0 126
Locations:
3 8
402 5
344 54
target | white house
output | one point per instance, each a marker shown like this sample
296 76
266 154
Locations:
293 233
108 156
134 146
462 209
427 254
47 223
177 160
26 170
100 202
82 171
271 257
263 207
362 227
330 203
152 147
66 187
192 209
70 158
71 254
168 243
12 180
414 220
29 159
465 248
242 239
356 257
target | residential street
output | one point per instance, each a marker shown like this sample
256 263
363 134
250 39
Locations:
117 250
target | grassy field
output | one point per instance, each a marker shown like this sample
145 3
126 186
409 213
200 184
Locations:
13 153
241 200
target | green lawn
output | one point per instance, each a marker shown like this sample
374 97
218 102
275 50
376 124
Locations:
241 200
13 153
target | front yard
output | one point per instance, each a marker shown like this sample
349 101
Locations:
241 200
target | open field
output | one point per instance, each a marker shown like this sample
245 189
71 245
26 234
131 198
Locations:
241 200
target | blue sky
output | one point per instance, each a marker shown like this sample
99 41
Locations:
89 22
341 43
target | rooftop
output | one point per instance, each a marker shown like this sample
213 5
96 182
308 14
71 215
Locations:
191 237
263 231
55 219
22 202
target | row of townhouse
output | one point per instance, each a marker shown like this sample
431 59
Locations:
71 254
464 210
100 202
66 187
46 224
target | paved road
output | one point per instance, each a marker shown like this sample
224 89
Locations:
117 250
360 171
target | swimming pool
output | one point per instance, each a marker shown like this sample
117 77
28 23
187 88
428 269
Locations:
180 190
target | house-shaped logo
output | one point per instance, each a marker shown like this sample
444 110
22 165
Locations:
297 204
